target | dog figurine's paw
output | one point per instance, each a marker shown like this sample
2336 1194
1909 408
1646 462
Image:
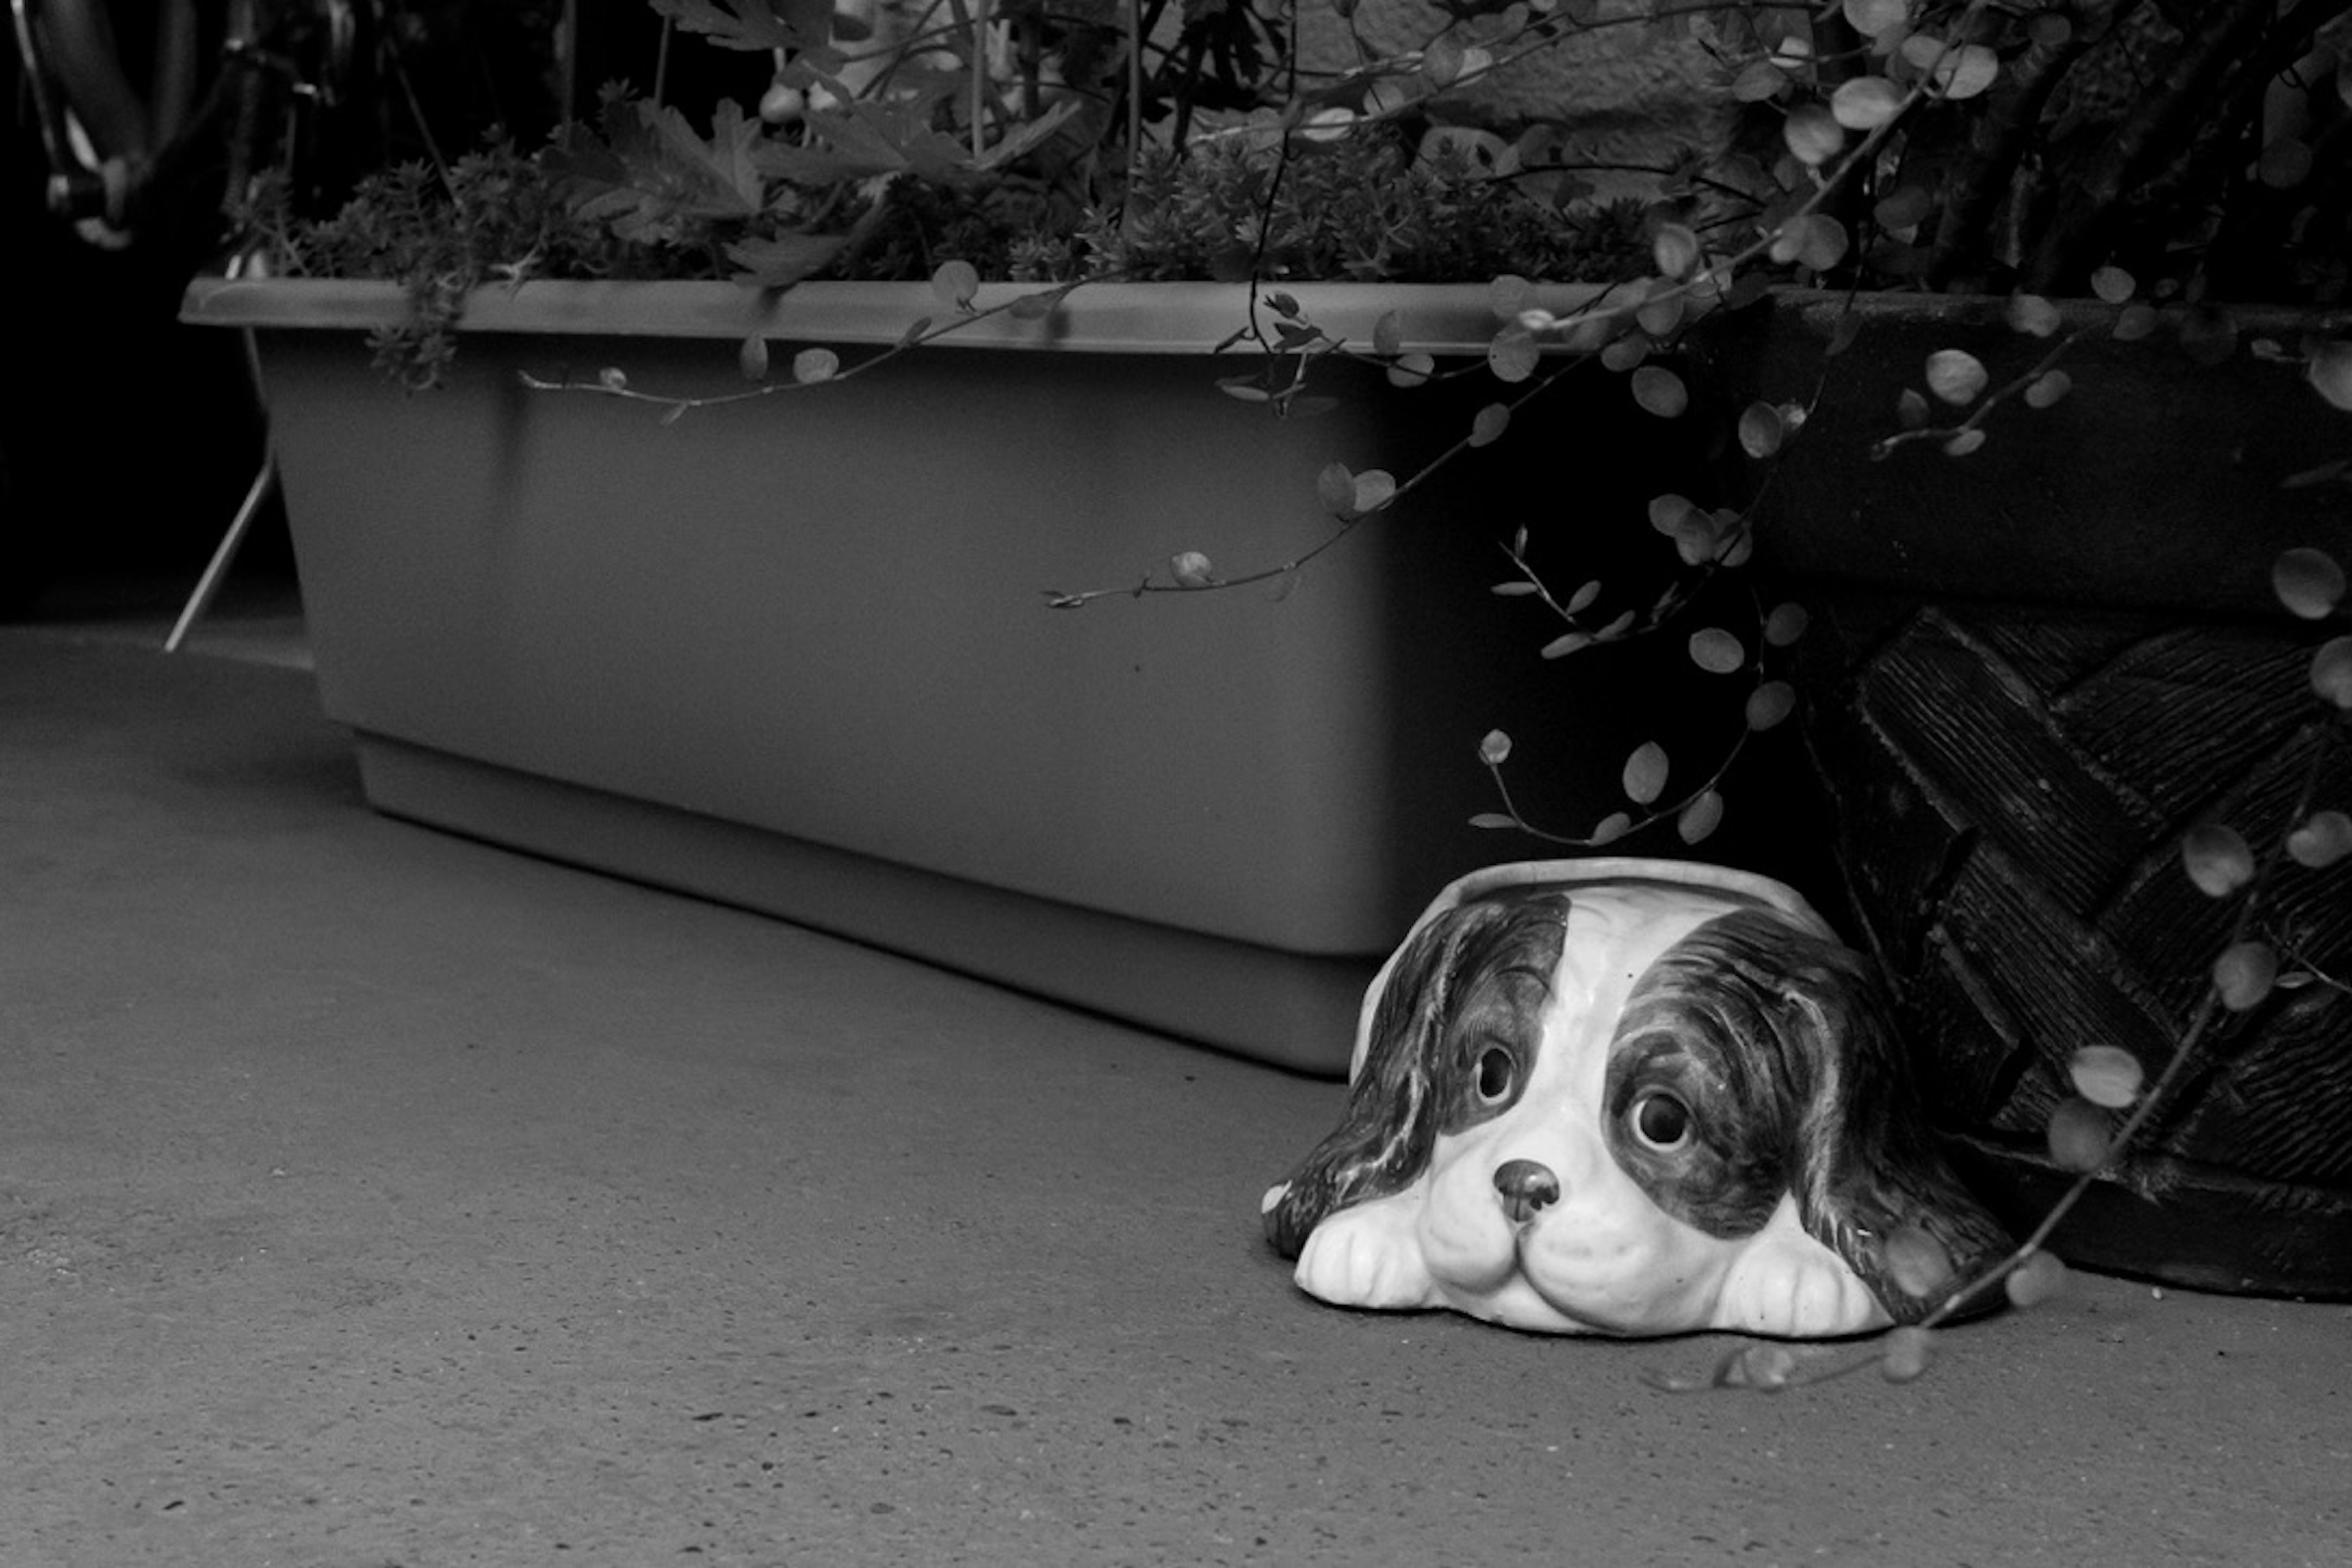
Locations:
1625 1097
1368 1257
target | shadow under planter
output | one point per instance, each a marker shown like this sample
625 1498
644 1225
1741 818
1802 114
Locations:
2033 668
796 653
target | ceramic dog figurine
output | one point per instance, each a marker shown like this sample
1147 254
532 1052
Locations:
1626 1097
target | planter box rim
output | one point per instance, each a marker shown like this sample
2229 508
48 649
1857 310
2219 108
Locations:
1096 318
1825 305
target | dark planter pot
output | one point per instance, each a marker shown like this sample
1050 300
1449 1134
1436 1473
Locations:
2034 668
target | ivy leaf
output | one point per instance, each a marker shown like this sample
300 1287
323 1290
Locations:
651 179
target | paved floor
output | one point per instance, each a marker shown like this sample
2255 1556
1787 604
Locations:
372 1198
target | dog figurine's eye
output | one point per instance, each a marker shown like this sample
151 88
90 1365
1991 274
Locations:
1497 1072
1661 1121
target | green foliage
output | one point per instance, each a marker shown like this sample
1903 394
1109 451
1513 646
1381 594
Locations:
1360 207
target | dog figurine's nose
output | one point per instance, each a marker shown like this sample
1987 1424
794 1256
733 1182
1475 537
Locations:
1527 1188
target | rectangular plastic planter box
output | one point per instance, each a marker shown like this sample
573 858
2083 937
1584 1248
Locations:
795 654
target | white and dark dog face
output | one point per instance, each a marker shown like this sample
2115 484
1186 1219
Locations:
1625 1098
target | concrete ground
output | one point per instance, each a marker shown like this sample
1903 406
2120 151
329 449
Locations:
372 1197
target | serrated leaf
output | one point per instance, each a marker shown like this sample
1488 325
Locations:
1645 772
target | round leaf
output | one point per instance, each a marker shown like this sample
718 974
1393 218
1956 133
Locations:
1495 749
2217 858
1906 1356
955 283
1957 376
1963 442
2047 388
2106 1075
1761 430
1192 569
1919 1262
1565 644
1812 135
813 365
2331 370
1717 651
2244 975
1645 772
2331 672
1866 103
2114 285
2037 1279
1786 623
2322 841
1701 817
2035 316
1675 250
1908 207
1512 355
1373 488
1769 704
1660 391
2080 1135
1872 18
1488 424
751 359
1412 369
2308 581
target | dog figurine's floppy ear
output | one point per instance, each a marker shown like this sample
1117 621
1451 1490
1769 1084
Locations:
1629 1097
1399 1091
